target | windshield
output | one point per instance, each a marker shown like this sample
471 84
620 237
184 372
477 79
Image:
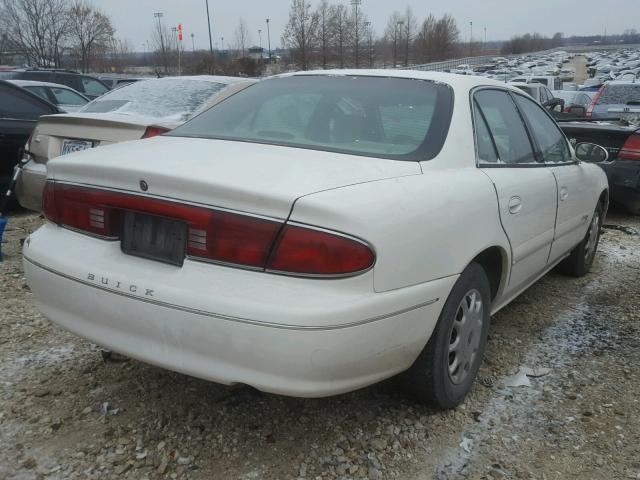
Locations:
404 119
166 99
620 95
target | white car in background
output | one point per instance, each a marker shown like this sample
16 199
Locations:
137 110
319 232
65 98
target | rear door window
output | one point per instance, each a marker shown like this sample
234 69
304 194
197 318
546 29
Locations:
552 143
93 87
506 127
64 96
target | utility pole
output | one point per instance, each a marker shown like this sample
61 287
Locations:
193 42
269 39
159 15
406 53
260 36
209 25
368 26
471 39
395 43
356 4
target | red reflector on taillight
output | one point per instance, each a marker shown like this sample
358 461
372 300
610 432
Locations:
154 132
233 238
631 148
80 209
307 251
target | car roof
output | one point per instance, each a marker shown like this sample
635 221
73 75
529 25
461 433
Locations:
206 78
35 83
466 82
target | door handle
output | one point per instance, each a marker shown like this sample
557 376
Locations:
515 205
564 193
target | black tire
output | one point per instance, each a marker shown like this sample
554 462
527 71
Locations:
581 259
429 379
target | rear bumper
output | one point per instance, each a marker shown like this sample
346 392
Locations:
30 185
290 336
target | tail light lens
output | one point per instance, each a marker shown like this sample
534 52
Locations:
631 148
594 102
213 235
154 131
307 251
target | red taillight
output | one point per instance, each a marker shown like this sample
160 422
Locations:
631 148
308 251
233 238
80 209
213 235
154 132
594 102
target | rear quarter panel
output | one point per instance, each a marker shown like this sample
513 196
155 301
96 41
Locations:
422 227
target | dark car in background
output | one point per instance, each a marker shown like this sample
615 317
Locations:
89 86
622 141
19 113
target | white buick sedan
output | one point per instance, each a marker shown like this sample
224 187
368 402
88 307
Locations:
319 232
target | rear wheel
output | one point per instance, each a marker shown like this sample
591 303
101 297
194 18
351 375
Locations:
443 374
581 259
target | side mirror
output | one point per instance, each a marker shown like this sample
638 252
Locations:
592 153
578 111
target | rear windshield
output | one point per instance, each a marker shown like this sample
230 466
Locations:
620 95
162 99
394 118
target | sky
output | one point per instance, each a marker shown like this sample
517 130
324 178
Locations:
133 19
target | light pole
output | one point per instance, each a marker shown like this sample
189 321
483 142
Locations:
395 42
209 27
471 39
193 42
356 4
269 39
260 36
159 15
368 26
221 44
484 44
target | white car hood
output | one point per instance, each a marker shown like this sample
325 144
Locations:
249 177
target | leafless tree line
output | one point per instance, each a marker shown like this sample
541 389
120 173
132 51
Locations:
43 31
334 35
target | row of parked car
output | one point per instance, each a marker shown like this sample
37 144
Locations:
280 233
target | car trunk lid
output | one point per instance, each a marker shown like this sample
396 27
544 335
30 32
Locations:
95 129
242 176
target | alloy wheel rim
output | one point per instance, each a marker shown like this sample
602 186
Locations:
592 239
465 337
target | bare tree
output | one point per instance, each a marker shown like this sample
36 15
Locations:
242 37
38 28
393 34
410 27
339 27
301 31
324 13
88 29
162 40
357 25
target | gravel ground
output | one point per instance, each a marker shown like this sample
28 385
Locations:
69 413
